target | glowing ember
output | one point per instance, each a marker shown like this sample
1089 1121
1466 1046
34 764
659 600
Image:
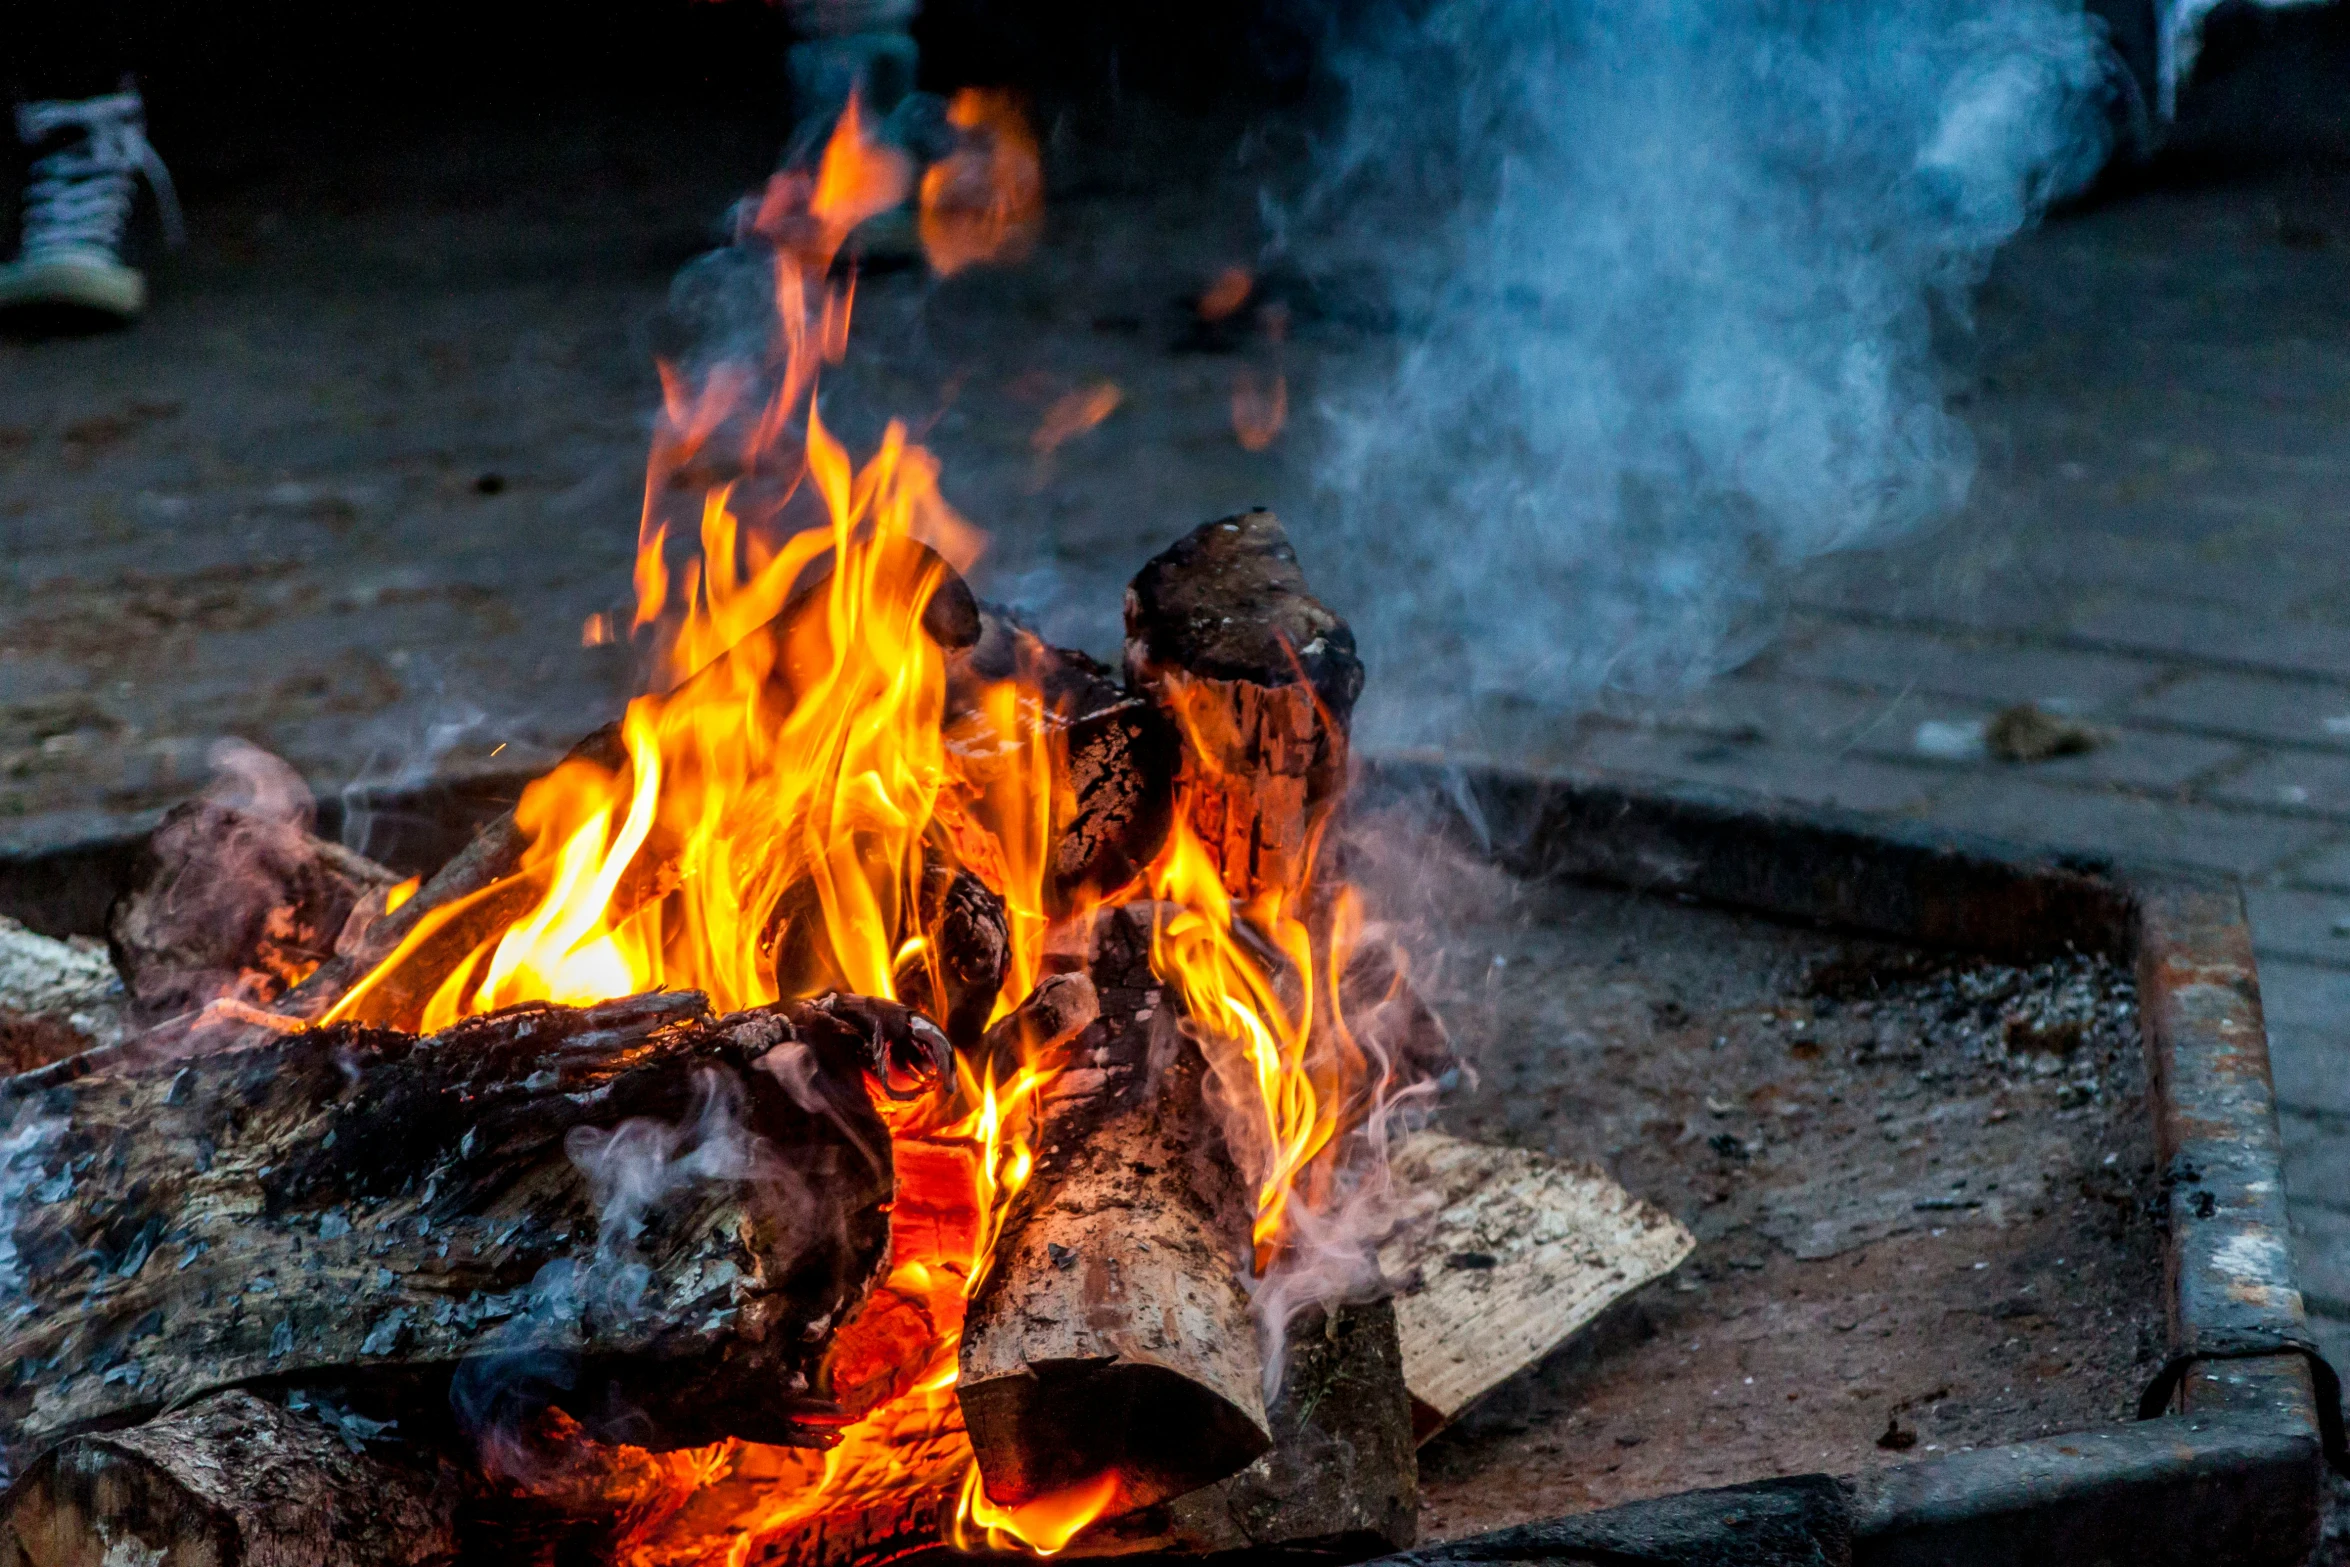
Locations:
1259 410
984 201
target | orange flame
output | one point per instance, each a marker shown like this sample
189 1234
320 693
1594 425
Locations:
1250 979
985 200
1074 413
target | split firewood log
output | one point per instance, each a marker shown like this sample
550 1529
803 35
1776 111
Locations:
1111 1333
232 1479
673 1209
235 903
1260 679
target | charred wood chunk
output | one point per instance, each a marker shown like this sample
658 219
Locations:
1261 680
670 1210
226 902
1038 1030
967 947
902 1050
1111 1334
1227 601
1118 754
231 1479
1122 758
1342 1480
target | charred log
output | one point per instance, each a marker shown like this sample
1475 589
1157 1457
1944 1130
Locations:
1111 1333
669 1207
224 902
232 1479
1261 680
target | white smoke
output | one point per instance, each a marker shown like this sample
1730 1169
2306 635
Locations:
1666 274
636 1171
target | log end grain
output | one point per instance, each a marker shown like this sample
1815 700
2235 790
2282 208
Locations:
1064 1422
1227 601
233 1481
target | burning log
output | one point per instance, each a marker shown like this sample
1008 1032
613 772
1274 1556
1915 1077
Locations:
1118 751
232 1479
1260 678
1111 1338
674 1207
468 900
229 902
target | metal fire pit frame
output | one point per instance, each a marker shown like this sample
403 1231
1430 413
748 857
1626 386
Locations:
2226 1464
2228 1469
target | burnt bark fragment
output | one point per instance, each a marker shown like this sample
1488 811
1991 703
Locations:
673 1208
233 1479
1260 679
1111 1333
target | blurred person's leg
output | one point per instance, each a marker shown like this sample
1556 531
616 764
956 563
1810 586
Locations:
864 47
845 46
83 131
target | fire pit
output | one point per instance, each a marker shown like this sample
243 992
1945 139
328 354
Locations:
905 1086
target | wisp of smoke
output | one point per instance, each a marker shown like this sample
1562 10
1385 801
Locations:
634 1171
1666 274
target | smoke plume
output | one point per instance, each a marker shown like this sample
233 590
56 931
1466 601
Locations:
1667 275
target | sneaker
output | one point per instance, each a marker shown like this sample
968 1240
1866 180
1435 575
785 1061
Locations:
86 157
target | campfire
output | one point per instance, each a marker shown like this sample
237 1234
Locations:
903 1084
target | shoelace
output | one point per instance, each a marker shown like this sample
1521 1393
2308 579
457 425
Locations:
79 197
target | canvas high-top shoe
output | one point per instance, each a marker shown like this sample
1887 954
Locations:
87 156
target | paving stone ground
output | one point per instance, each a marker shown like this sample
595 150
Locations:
352 490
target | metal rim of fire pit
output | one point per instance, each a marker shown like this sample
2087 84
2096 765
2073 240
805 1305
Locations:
2228 1470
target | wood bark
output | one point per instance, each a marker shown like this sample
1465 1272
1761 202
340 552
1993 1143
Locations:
1260 679
673 1208
1111 1333
231 1481
227 902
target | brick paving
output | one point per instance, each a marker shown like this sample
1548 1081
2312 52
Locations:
2160 545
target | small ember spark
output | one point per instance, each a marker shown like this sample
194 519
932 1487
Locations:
1259 410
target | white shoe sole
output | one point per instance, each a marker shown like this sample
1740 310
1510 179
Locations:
108 287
